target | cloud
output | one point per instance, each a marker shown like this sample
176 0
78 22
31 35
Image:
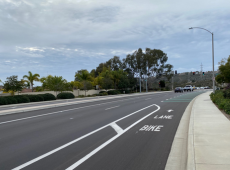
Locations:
61 37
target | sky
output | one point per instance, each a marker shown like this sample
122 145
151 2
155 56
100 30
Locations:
60 37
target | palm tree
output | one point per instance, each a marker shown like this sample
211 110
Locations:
31 78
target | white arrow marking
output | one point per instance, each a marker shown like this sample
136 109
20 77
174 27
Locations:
170 110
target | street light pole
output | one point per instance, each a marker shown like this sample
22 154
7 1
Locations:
213 77
140 79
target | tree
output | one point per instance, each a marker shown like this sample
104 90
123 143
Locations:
44 80
31 78
85 78
75 84
56 83
12 84
224 72
114 63
106 81
124 82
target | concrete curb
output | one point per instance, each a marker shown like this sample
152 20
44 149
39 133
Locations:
21 110
180 156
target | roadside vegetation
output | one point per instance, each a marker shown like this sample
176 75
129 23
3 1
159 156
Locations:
119 75
222 97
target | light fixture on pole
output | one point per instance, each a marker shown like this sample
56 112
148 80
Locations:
213 77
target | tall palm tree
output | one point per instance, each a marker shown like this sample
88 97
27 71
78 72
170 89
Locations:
31 78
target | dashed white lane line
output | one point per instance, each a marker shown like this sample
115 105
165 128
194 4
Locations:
148 99
84 136
15 120
112 107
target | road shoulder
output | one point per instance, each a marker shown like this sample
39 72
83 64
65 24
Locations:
207 144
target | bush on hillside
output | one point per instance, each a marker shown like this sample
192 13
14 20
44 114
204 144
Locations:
227 107
65 96
226 94
22 99
48 96
221 100
11 100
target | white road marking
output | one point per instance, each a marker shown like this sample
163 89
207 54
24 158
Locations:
148 98
61 111
109 141
166 99
170 110
163 117
162 101
88 134
112 107
117 128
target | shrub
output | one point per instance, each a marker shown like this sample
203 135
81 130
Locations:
3 101
22 99
227 107
33 98
105 93
102 92
226 94
11 100
41 98
65 95
222 103
113 92
48 96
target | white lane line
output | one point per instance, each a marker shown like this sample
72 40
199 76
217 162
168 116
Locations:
148 98
62 111
76 140
112 107
117 128
108 142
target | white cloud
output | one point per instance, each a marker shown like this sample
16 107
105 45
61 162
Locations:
75 32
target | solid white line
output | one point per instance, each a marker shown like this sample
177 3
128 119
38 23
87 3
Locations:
117 128
74 141
112 107
148 98
108 142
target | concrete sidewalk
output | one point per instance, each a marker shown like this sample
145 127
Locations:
202 140
209 136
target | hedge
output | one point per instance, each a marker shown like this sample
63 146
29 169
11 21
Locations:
11 100
22 99
33 98
48 96
65 96
3 101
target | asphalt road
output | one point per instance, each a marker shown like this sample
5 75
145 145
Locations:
134 132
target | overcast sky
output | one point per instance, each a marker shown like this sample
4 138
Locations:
59 37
